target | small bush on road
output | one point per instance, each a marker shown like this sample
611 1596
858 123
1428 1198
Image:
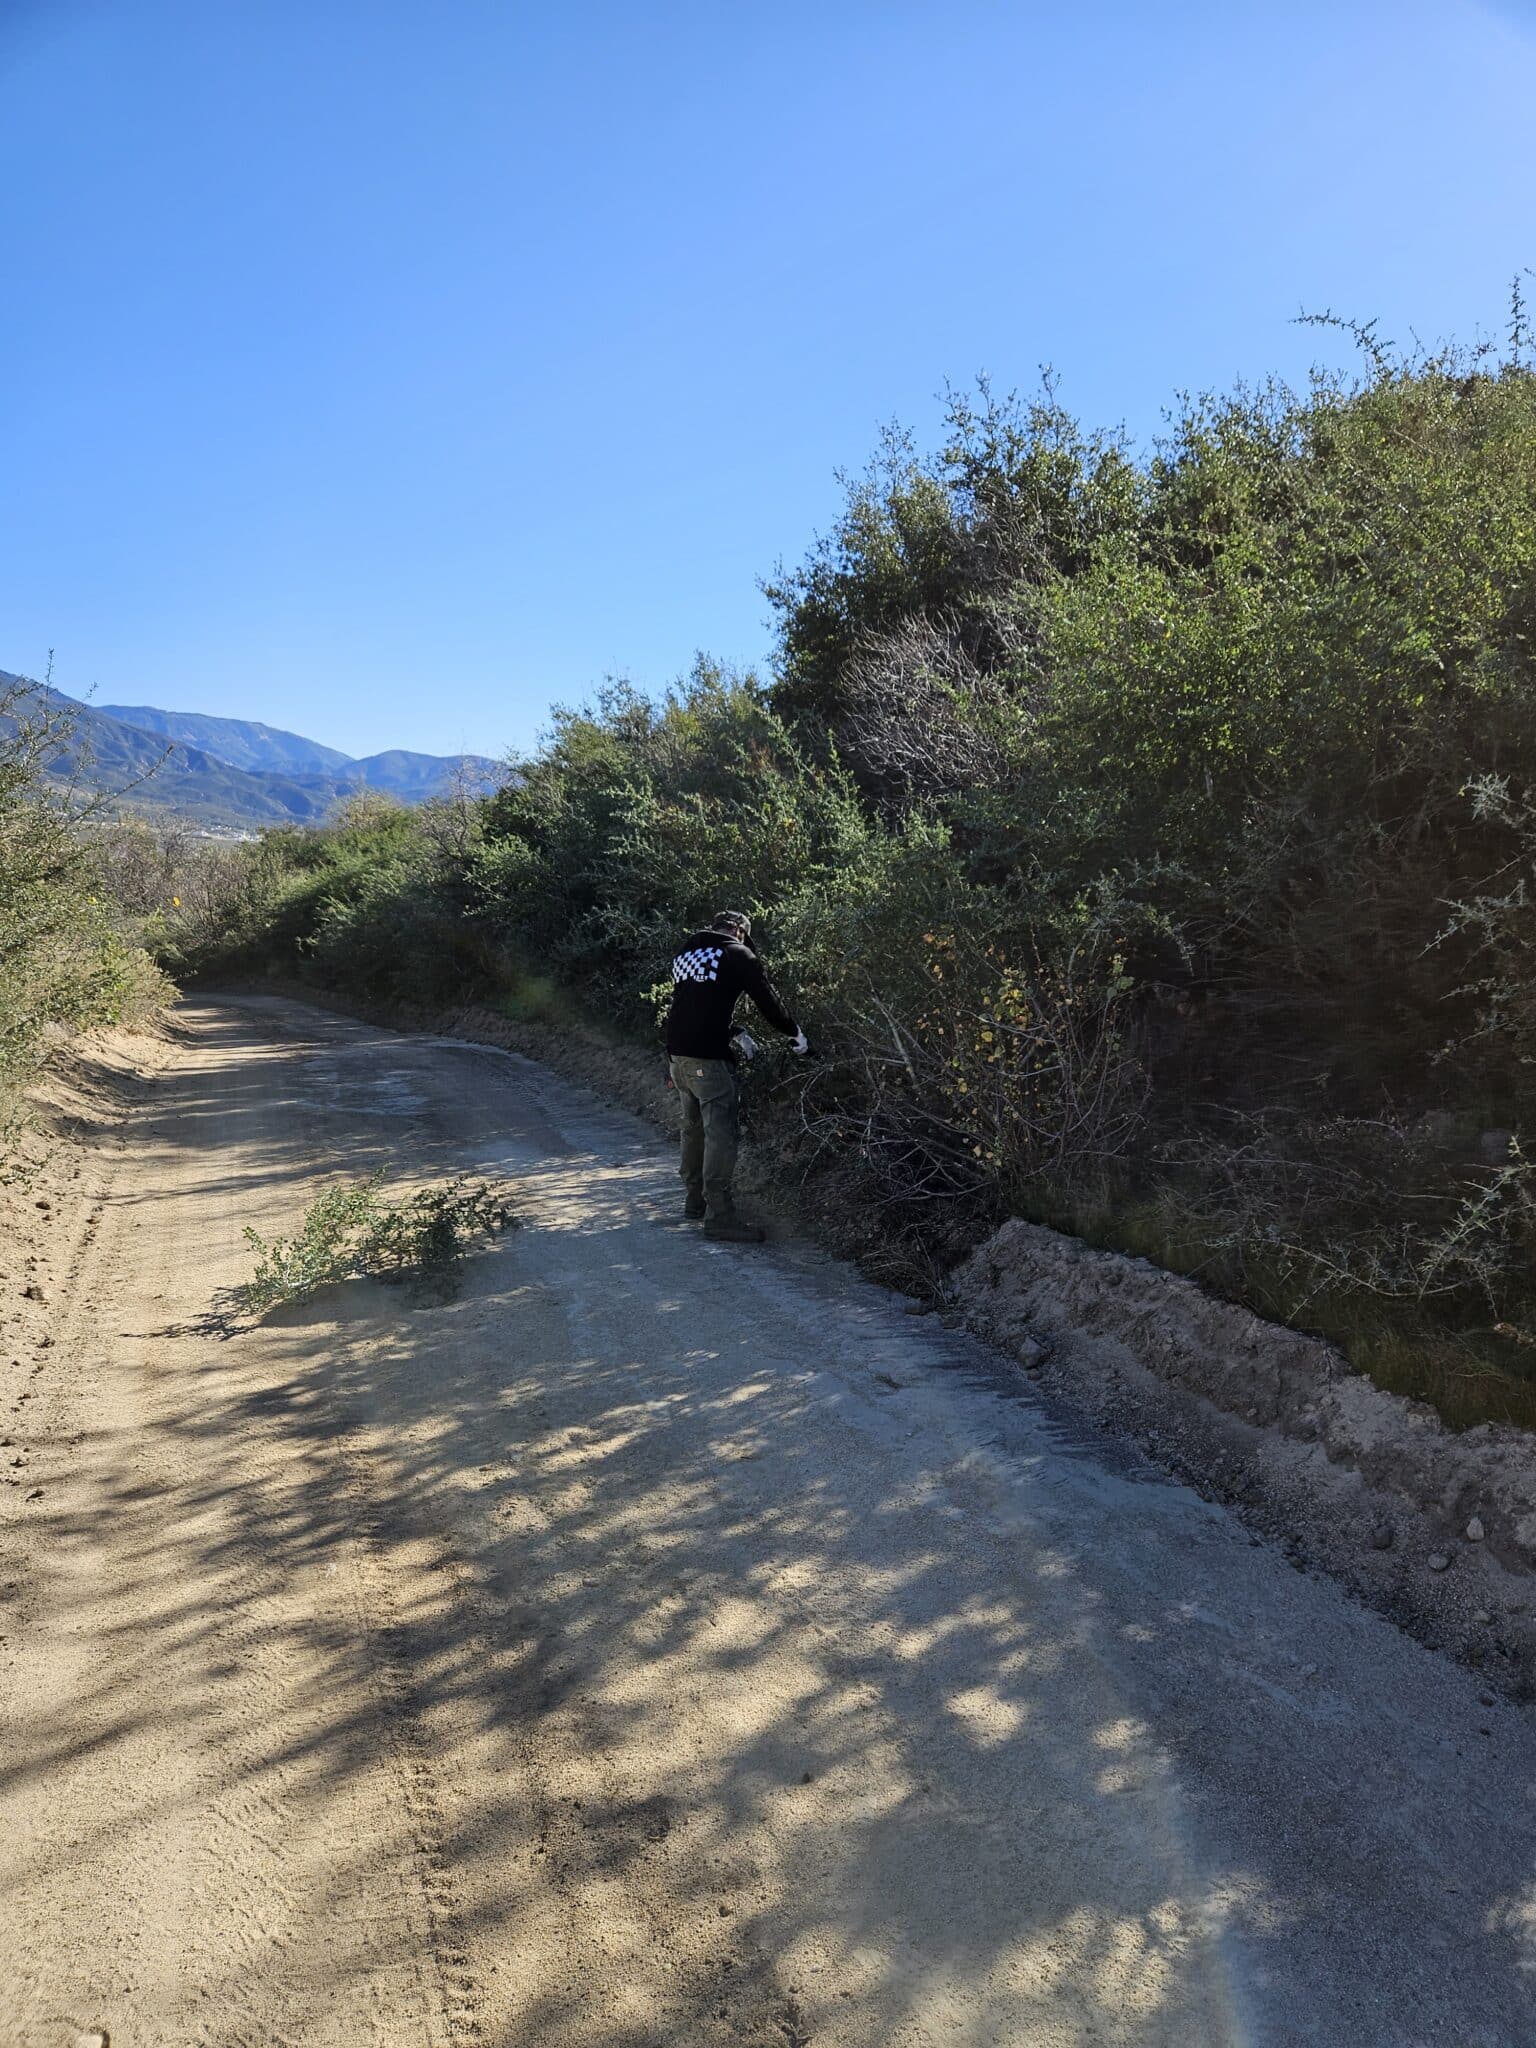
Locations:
355 1229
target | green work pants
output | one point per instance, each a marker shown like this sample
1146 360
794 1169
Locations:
706 1090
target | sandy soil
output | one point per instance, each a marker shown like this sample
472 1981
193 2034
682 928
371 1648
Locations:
661 1643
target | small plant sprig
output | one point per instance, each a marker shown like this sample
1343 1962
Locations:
354 1229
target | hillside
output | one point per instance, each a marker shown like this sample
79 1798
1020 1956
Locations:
157 767
268 750
415 777
243 743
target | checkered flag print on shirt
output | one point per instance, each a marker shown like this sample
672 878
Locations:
702 963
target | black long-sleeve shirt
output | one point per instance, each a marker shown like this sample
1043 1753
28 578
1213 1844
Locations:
709 972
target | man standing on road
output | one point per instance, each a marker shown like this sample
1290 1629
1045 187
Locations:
710 970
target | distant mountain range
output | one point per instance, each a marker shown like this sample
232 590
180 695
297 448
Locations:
232 774
260 749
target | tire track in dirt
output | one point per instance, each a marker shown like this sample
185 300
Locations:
369 1865
188 1651
390 1644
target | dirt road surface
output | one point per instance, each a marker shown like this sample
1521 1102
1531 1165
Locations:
666 1644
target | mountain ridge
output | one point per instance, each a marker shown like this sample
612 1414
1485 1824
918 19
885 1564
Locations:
157 769
242 742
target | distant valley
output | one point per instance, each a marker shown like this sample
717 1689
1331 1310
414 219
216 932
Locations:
234 774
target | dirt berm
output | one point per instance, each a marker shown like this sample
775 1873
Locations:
1435 1529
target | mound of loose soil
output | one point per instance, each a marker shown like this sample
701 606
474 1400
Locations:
50 1196
1436 1528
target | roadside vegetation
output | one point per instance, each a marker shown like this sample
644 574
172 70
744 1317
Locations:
1148 842
355 1230
70 954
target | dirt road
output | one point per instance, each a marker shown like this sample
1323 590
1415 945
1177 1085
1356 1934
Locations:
666 1644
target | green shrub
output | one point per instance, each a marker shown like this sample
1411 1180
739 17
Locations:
69 959
353 1230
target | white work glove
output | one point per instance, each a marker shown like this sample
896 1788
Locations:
802 1044
745 1044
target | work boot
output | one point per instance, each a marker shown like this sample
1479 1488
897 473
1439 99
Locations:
695 1208
728 1228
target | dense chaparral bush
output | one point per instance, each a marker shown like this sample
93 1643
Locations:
1149 843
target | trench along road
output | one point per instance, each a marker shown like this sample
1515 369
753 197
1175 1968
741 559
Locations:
663 1643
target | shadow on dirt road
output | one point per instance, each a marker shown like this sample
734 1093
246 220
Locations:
667 1644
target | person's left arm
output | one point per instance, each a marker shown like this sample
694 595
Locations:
766 998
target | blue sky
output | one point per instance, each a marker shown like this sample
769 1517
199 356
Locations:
393 371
